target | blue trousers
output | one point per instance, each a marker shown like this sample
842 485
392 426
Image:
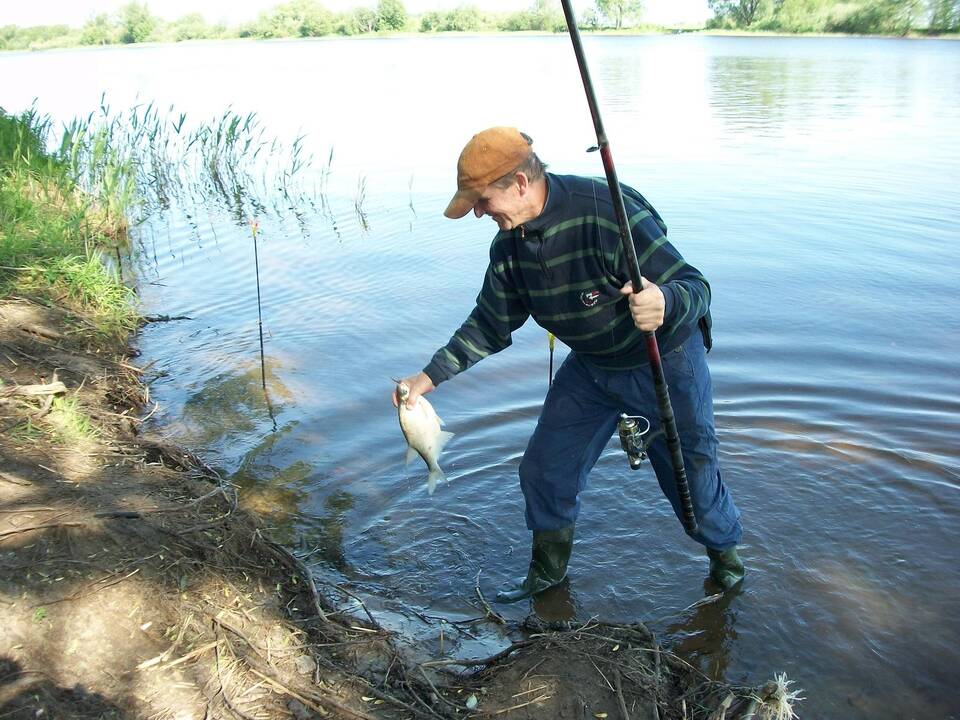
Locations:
580 415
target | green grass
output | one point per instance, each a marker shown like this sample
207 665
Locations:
68 423
88 285
25 432
53 231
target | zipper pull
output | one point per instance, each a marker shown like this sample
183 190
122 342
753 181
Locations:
523 233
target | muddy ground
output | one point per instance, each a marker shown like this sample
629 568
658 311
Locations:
136 583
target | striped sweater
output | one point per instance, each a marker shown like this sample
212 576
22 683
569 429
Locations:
565 268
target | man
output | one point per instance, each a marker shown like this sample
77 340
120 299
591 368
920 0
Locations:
558 258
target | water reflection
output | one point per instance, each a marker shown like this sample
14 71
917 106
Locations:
325 535
751 94
761 96
234 403
556 605
706 635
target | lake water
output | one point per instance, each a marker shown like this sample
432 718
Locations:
816 183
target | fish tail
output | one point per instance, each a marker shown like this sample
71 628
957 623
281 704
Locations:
436 474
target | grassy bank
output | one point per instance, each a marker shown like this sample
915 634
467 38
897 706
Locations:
56 237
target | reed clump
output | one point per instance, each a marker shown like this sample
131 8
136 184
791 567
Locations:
54 233
69 198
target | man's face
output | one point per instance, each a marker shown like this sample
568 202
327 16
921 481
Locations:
504 205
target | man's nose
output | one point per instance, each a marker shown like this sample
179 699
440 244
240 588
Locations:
477 211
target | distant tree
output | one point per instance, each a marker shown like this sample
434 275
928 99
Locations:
189 27
391 15
98 30
803 15
136 23
358 21
297 18
431 21
544 15
888 17
302 18
740 13
945 15
618 11
465 18
589 19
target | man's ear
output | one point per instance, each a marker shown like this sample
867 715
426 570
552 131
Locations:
523 183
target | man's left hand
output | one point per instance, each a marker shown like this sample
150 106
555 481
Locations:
646 306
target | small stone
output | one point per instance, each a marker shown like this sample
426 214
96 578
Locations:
471 702
305 665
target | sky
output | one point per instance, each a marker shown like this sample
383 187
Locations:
77 12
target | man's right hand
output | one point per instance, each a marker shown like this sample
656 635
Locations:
419 384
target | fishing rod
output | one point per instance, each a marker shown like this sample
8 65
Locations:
667 420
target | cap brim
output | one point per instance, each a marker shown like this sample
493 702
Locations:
462 203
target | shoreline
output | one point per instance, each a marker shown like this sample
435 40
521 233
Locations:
652 32
131 571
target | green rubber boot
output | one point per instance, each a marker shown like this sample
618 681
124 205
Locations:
726 567
548 564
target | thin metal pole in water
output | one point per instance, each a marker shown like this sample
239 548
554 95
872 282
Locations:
667 419
254 226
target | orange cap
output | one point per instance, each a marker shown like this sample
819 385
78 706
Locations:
488 156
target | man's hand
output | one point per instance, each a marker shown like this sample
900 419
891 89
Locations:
419 384
646 306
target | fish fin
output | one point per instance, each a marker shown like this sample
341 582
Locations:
435 475
442 439
411 454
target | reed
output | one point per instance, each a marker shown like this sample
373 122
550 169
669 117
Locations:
143 160
358 200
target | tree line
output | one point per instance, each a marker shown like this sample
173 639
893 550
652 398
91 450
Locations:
888 17
134 23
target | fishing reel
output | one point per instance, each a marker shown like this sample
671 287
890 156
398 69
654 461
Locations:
631 438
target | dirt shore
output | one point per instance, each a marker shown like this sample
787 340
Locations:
135 583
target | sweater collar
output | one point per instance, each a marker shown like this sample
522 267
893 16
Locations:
551 208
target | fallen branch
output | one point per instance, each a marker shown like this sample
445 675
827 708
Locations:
656 677
163 318
355 597
312 705
7 533
482 661
496 617
516 707
189 656
223 690
40 330
623 703
54 388
15 479
93 589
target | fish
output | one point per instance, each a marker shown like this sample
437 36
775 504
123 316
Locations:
421 429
